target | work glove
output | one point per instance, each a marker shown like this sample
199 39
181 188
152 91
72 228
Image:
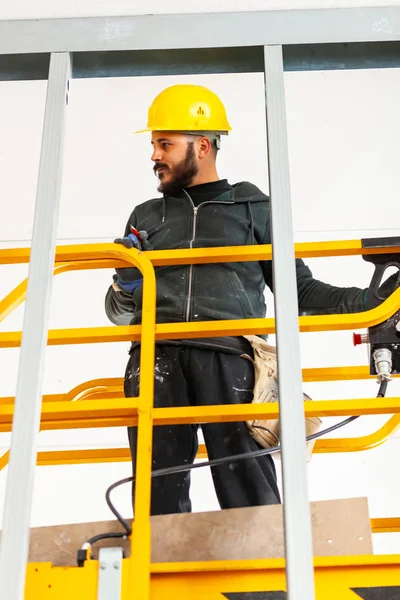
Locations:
129 278
136 239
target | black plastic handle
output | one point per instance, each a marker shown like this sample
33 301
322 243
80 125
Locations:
382 262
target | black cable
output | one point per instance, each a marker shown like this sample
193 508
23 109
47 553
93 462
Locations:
382 388
220 461
123 522
106 536
313 436
82 554
212 463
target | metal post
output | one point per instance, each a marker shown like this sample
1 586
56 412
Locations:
110 574
298 538
18 500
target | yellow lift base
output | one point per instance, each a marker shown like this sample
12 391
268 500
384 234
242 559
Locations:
338 578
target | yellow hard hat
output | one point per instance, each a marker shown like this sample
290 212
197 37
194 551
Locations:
187 108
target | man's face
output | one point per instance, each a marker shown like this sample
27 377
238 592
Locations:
175 162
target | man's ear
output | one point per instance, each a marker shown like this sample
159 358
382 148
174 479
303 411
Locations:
204 147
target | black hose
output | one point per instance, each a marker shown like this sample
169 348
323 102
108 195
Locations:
382 388
106 536
211 463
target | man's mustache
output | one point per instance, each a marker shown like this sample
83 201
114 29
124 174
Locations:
158 166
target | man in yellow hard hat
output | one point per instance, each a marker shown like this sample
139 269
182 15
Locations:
198 209
186 155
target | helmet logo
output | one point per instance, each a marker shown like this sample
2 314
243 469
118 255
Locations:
201 110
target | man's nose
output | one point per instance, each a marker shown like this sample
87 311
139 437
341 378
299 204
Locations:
157 155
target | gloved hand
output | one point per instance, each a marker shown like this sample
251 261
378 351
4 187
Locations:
138 240
384 291
128 279
126 286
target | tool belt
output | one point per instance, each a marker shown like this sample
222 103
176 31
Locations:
266 431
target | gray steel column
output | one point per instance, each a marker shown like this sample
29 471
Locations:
18 501
298 538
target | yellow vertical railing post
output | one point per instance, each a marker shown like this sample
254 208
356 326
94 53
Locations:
141 533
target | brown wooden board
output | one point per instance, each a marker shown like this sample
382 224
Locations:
340 527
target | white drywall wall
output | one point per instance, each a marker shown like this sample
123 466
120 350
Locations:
343 140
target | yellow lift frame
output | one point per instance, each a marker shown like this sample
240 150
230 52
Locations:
101 403
266 42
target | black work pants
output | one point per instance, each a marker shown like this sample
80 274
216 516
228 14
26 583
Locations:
191 377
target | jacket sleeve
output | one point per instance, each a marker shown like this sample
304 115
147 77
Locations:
119 305
316 297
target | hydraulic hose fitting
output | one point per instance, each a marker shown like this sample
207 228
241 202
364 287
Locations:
383 364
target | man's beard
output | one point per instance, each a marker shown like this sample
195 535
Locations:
182 174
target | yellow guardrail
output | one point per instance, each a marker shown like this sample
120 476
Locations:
99 256
97 409
107 388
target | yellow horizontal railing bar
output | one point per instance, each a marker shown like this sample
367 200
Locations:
324 446
242 412
106 385
121 407
77 457
201 255
103 455
112 387
272 564
84 423
201 329
385 525
322 374
358 444
104 395
127 409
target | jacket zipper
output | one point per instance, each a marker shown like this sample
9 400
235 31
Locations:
195 211
189 298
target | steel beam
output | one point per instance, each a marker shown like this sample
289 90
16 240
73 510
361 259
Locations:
297 515
18 499
205 61
223 30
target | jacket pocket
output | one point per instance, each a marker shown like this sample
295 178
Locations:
240 293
